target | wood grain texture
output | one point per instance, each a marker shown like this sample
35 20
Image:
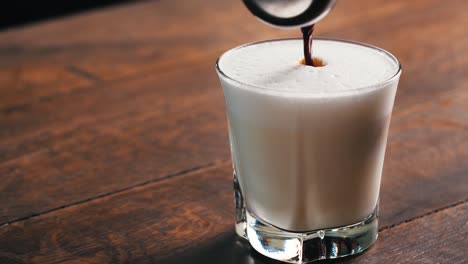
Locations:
438 238
426 161
145 225
161 125
190 219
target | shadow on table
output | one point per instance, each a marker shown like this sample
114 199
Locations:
228 248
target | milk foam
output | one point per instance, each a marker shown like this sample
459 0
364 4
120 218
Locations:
275 65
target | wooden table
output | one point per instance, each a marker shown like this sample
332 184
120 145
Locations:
114 145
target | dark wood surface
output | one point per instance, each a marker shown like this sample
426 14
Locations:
114 147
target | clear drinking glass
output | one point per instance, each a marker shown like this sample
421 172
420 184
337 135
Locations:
307 169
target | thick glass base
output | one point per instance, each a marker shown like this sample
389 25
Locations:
303 247
294 247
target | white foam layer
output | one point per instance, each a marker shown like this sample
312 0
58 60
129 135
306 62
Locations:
275 65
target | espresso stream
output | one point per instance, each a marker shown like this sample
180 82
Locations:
307 36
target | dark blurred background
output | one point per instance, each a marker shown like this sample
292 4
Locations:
20 12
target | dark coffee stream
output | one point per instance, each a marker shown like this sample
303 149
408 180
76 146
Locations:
307 37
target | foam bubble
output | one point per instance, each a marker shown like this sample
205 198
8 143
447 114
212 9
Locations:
276 65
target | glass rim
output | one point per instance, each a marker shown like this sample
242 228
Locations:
340 92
